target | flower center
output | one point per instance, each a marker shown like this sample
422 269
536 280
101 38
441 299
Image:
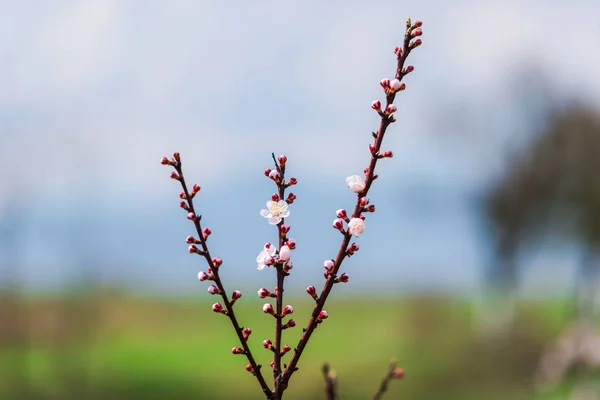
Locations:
276 210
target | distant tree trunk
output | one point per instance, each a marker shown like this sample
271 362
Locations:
586 288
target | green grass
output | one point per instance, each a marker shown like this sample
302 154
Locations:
125 348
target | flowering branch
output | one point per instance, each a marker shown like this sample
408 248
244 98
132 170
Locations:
394 372
361 188
213 271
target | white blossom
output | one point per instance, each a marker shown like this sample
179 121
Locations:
275 211
355 183
268 251
356 226
284 253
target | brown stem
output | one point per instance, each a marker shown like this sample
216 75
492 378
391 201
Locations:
228 305
279 297
330 382
386 120
391 374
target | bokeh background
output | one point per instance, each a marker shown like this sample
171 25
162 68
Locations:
479 270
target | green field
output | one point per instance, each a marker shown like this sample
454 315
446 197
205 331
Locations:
122 347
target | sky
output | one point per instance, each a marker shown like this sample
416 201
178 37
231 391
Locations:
94 93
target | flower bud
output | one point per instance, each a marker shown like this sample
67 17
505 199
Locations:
376 105
182 195
417 24
193 249
343 278
292 181
206 232
267 344
415 44
218 308
397 51
282 159
267 171
274 175
322 315
387 154
416 32
284 253
203 276
176 156
409 69
290 199
165 161
341 213
272 364
338 224
212 289
371 208
395 85
247 332
363 202
275 197
312 291
184 205
191 216
390 109
385 83
237 350
291 243
329 265
175 176
269 260
264 292
191 240
217 261
287 266
285 349
398 373
235 295
268 309
249 368
195 189
290 324
287 310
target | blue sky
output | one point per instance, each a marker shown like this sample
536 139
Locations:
95 92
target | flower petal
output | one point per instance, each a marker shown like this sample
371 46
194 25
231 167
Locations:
265 213
274 220
284 214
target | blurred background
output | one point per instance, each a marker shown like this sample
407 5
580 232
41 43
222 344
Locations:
479 271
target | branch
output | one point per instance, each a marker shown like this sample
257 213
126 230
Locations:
412 31
394 372
330 382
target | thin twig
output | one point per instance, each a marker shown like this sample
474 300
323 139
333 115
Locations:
215 272
386 120
330 382
393 373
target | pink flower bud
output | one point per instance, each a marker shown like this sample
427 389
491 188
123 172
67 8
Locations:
287 310
203 276
285 228
237 350
409 69
212 289
343 278
364 201
190 240
206 232
371 208
416 32
274 175
290 199
272 364
264 292
398 373
322 315
397 50
236 295
390 109
376 105
165 161
267 344
218 308
275 197
387 154
184 205
292 181
282 159
354 247
329 265
341 213
269 260
285 253
195 189
291 243
290 324
285 349
288 266
415 44
268 309
417 24
338 224
312 291
249 368
267 171
191 216
372 148
247 332
217 261
176 156
385 83
182 195
395 85
193 249
175 176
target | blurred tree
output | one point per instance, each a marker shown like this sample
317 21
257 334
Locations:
550 188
